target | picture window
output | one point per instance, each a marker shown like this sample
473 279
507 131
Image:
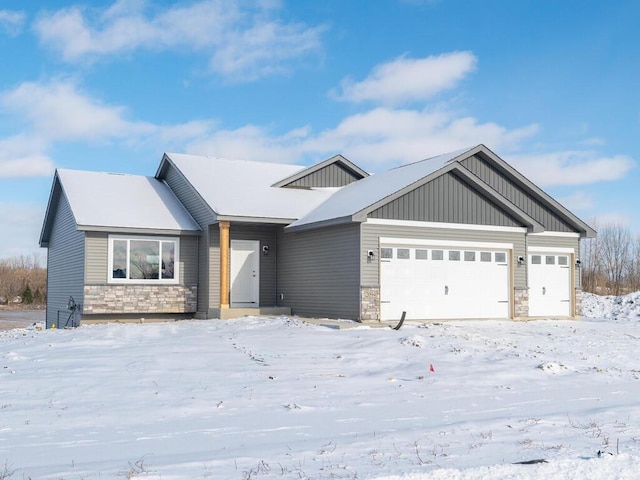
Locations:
143 260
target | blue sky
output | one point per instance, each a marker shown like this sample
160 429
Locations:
550 86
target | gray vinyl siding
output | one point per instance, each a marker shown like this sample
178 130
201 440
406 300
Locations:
558 242
318 271
203 215
371 233
187 195
213 270
97 259
511 190
65 263
332 175
266 235
445 199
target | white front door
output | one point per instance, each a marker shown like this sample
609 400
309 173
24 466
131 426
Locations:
549 285
245 273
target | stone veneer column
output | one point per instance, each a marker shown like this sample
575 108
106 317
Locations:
369 304
521 302
224 264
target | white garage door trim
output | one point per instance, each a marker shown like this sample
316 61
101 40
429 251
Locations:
445 243
474 282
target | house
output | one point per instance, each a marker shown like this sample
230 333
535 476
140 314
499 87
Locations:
462 235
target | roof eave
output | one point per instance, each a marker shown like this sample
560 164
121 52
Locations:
323 223
137 230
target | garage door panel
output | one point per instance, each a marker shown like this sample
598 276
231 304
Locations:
444 283
549 285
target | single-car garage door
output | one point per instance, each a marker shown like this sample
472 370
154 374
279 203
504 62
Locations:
549 285
440 282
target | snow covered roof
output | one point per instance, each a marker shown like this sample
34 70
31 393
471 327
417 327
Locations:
239 188
363 193
117 201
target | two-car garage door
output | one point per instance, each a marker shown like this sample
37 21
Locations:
442 282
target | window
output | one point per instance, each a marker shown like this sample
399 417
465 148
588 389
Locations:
143 259
454 255
500 257
562 261
437 255
550 260
485 256
386 253
536 260
403 253
422 254
469 256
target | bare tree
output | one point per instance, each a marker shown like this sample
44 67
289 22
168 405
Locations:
18 273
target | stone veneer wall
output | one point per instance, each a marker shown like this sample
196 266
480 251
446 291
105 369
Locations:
107 299
578 302
369 304
521 302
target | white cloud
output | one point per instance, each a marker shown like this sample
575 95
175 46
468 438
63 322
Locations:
579 200
59 111
22 156
407 79
579 167
21 225
11 22
376 139
243 41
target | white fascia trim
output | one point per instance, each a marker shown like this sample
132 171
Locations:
445 243
550 250
455 226
556 234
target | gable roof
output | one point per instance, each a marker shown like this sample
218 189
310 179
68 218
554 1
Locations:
242 190
338 160
355 201
117 202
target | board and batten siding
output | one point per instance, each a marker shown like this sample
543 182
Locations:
65 264
318 271
371 233
553 241
445 199
332 175
510 189
97 258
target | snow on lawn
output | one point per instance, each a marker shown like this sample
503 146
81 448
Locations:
262 398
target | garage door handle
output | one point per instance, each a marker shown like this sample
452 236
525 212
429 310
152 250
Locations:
446 290
544 290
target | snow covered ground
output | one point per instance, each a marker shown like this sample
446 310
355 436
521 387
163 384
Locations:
264 398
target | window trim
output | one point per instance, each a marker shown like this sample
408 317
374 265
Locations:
141 281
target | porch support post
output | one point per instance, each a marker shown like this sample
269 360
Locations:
224 264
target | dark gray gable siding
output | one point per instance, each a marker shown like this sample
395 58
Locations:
65 264
446 198
333 175
319 271
266 235
508 188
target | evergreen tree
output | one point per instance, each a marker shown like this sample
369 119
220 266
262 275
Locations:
27 295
